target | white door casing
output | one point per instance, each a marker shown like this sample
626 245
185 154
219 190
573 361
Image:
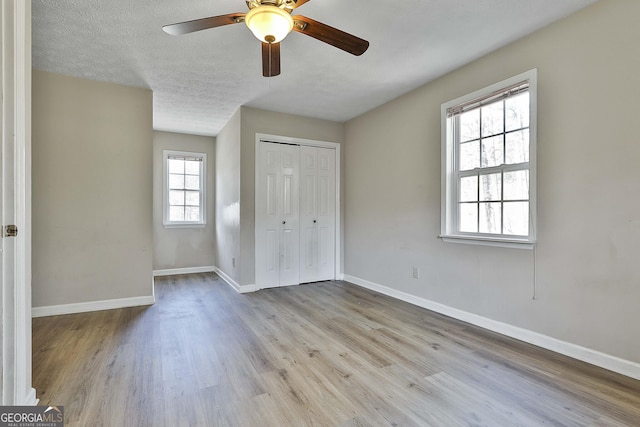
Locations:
15 165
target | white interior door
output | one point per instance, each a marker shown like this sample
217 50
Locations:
267 216
317 213
277 216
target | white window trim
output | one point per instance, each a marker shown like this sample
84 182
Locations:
165 184
448 232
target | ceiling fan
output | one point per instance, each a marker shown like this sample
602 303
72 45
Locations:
271 21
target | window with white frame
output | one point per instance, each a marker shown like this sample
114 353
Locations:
488 165
184 188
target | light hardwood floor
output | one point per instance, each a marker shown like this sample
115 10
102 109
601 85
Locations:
325 354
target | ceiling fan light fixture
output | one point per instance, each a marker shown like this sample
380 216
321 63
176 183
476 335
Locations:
269 24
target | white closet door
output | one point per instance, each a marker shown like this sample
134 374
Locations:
290 230
317 214
277 221
308 218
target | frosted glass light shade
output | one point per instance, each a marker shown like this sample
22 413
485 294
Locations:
269 23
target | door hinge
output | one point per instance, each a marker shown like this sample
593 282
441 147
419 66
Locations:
10 231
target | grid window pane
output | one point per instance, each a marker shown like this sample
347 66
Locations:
517 147
517 112
492 119
516 218
176 166
192 182
490 187
492 153
192 198
192 213
490 218
469 189
176 181
469 155
470 125
468 218
192 167
516 185
176 213
176 197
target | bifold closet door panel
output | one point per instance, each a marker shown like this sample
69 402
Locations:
290 230
277 215
317 213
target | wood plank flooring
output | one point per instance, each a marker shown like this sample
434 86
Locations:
325 354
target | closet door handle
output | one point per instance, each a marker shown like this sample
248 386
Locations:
314 221
284 222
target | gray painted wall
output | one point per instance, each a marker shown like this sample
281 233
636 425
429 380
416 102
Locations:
183 247
586 261
92 190
228 198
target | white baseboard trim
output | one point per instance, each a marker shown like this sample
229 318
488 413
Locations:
603 360
83 307
235 285
188 270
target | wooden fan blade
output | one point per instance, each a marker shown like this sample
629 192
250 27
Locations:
298 3
323 32
270 59
203 24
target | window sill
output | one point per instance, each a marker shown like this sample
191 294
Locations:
488 241
186 225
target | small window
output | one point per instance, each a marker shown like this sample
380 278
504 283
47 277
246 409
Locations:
184 188
489 165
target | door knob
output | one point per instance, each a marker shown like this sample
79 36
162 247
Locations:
284 222
314 221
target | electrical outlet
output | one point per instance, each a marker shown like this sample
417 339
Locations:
416 272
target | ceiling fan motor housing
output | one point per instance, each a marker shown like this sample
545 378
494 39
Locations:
289 4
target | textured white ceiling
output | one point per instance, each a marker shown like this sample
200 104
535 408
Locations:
199 80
